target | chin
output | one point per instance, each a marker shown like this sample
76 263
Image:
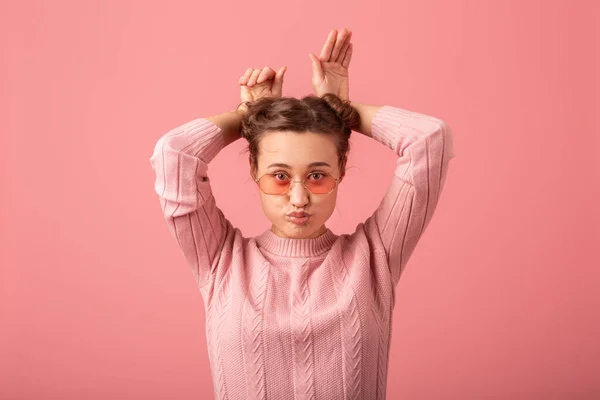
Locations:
297 231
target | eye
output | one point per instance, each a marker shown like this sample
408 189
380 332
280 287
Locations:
315 176
280 176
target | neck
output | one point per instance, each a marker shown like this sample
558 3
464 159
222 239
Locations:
296 247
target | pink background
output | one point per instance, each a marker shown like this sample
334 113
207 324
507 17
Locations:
500 299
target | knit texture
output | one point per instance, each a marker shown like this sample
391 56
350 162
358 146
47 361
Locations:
294 319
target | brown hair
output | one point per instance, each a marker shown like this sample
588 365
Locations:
327 114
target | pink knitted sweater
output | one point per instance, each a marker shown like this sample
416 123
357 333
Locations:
301 318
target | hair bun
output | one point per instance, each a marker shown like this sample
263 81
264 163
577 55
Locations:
348 114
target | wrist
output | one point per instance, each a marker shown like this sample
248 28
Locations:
367 113
242 110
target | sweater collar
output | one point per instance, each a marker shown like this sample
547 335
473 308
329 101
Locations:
289 247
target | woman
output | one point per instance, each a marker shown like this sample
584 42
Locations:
298 311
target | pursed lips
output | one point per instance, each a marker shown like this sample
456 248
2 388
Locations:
298 214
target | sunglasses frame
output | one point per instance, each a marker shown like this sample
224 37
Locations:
290 183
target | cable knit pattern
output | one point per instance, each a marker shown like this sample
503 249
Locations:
302 336
294 319
350 330
252 332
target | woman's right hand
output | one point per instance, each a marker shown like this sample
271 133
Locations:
257 83
330 69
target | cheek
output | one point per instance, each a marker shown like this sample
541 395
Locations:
328 203
323 206
272 205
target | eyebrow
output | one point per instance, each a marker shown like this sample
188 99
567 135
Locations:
313 164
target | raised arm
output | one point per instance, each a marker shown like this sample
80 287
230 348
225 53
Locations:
424 147
180 161
422 143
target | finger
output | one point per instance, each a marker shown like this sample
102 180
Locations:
328 46
340 56
278 82
265 74
246 76
339 43
316 68
253 77
347 57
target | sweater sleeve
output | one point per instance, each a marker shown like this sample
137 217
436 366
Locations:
180 163
424 146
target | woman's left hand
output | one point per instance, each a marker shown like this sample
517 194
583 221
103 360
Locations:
330 69
257 83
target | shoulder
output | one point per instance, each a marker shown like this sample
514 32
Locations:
364 240
233 241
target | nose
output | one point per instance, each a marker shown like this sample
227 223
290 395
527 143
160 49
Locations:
298 194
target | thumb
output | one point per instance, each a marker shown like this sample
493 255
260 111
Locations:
316 67
278 82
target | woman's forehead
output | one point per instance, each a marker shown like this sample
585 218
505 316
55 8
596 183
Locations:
297 150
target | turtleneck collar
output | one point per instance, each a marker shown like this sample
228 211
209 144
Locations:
310 247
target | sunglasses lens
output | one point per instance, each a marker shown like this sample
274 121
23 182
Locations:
271 184
320 183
